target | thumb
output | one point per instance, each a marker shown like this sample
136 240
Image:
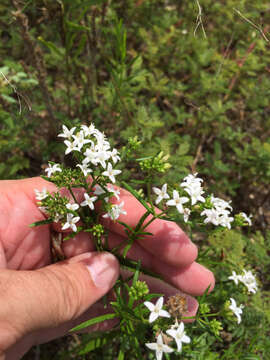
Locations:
51 296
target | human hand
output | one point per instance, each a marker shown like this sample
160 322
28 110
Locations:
43 304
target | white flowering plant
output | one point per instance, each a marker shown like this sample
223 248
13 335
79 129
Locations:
87 197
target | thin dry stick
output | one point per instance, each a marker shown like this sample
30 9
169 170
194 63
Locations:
18 94
198 154
257 27
199 20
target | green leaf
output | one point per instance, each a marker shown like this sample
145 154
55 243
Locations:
126 249
138 197
93 345
183 148
42 222
126 226
75 26
51 46
93 321
121 355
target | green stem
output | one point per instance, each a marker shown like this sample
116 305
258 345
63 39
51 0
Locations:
72 194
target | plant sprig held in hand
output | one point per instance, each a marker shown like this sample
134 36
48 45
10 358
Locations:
96 173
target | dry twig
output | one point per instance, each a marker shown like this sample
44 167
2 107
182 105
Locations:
18 94
257 27
199 21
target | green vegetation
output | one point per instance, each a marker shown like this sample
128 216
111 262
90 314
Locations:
136 68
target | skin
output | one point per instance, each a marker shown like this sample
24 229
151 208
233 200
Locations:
41 301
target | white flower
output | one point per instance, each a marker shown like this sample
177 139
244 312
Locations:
195 192
156 310
159 347
73 207
90 156
236 310
52 169
89 130
177 201
249 280
71 221
211 216
162 194
217 217
113 190
246 218
102 156
89 201
179 336
114 156
98 190
234 277
189 179
220 204
71 146
79 140
85 169
111 173
192 186
115 211
225 220
66 132
186 214
41 195
103 145
101 138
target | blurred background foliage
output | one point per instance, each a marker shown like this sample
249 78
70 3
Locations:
136 67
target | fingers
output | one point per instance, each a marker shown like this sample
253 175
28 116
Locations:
54 295
28 186
169 243
193 278
168 252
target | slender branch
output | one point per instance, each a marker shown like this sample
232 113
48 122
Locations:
198 154
255 26
18 94
199 21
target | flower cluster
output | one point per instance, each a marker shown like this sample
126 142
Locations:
248 279
219 214
215 211
237 310
94 147
176 331
193 187
95 156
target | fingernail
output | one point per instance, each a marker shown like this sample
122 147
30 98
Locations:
104 270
